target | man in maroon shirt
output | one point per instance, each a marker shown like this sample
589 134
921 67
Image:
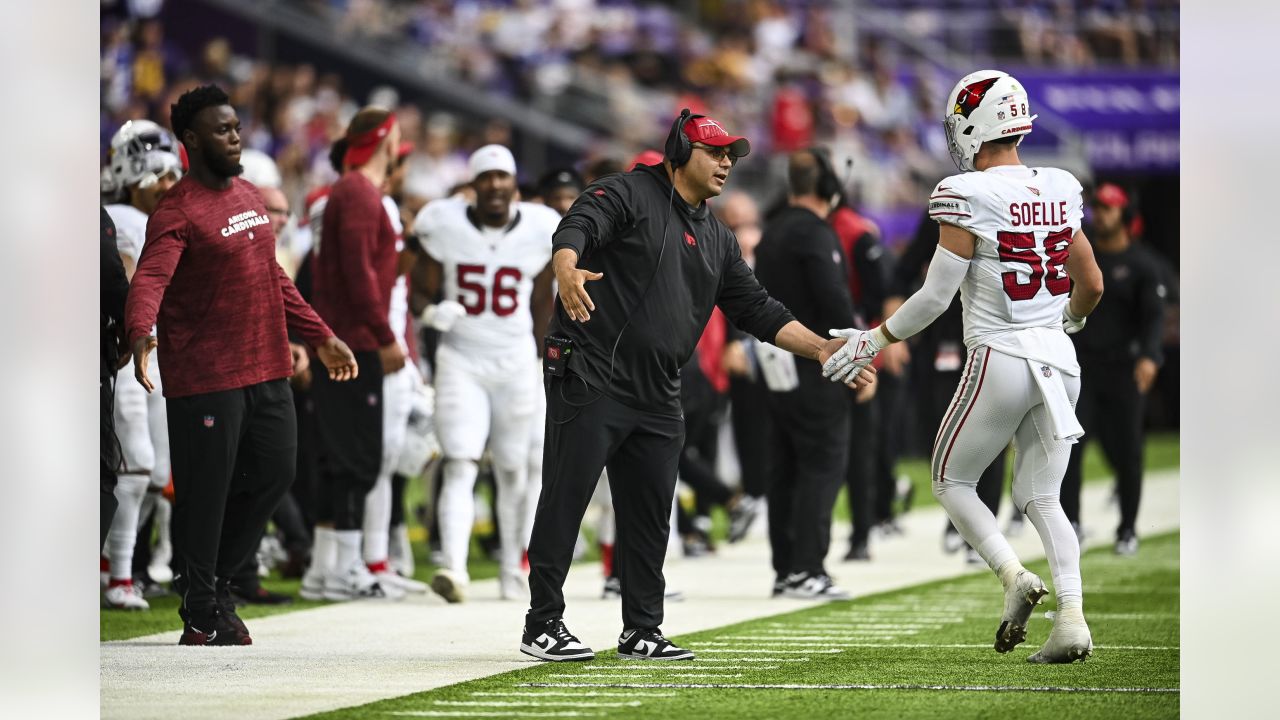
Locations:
208 279
354 271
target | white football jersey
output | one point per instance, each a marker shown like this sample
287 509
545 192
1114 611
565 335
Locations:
399 315
1024 220
490 271
131 229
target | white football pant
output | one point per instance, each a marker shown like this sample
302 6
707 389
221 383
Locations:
141 426
397 394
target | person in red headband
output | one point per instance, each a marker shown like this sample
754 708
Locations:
355 270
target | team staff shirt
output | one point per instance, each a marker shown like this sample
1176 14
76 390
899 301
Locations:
661 294
489 271
355 264
1016 287
209 281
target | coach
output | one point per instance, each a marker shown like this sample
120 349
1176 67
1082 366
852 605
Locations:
660 262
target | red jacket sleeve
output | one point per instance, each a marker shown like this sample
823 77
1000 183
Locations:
298 314
166 241
359 231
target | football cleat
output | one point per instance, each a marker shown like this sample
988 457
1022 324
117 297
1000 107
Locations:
1069 640
449 586
1020 599
124 596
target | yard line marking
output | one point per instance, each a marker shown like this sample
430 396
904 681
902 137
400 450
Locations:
947 688
804 640
705 650
751 660
927 646
861 625
802 634
580 677
527 703
553 693
651 668
481 713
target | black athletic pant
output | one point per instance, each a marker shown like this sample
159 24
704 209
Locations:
1110 409
108 457
641 451
349 432
233 455
890 399
810 453
752 427
698 459
306 489
860 475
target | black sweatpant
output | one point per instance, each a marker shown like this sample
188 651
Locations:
810 454
860 474
109 455
349 433
752 427
890 400
1110 409
641 451
233 455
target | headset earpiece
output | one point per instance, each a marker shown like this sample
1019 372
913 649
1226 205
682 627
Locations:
678 148
829 185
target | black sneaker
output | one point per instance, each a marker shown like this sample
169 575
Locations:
779 586
858 551
649 644
221 632
227 614
553 642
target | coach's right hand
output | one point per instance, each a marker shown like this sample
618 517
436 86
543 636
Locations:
572 281
142 348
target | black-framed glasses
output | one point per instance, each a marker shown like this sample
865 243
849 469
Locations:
718 153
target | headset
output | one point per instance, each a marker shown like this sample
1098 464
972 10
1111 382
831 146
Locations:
678 149
830 186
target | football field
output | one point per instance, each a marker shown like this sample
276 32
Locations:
920 652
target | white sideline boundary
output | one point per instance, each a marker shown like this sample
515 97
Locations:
859 686
350 654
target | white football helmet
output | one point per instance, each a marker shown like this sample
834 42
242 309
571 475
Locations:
984 105
141 153
260 169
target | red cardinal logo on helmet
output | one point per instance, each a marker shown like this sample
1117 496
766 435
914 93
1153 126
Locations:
971 96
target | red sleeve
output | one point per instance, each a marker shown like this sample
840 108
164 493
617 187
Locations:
359 231
160 255
298 314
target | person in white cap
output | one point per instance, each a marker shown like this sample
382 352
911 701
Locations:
488 262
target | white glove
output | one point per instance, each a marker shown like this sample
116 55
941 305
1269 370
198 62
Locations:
1070 323
856 354
443 315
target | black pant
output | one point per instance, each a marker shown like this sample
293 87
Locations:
109 456
810 452
1110 409
860 475
233 455
890 400
752 427
349 430
306 488
641 450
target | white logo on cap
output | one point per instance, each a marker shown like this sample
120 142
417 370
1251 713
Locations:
712 123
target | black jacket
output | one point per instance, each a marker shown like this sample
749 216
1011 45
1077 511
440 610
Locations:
654 312
115 289
799 261
1129 321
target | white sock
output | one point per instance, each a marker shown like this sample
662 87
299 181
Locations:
377 518
976 524
163 514
400 552
347 554
510 506
457 513
324 548
123 534
1061 547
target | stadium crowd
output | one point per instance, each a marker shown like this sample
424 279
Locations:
772 70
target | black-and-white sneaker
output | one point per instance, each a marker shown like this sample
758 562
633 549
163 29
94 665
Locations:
805 586
553 642
649 644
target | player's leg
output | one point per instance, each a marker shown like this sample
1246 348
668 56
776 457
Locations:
462 420
512 404
1088 414
537 437
131 489
1120 434
158 424
989 404
1042 461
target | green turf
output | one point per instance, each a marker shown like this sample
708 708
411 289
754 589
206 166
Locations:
1132 605
1161 453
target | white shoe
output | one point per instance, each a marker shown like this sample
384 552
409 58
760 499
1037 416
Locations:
357 583
124 597
1068 641
409 585
449 585
400 555
813 587
1020 599
513 585
312 587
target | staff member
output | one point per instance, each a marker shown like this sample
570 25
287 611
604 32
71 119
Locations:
1120 354
660 262
209 280
800 263
115 289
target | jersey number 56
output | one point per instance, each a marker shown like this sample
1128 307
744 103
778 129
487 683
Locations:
474 296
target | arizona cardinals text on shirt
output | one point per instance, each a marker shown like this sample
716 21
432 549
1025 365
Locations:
243 221
1039 213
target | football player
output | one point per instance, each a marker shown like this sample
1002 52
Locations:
1010 242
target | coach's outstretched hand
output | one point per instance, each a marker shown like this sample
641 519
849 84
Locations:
338 359
573 285
142 348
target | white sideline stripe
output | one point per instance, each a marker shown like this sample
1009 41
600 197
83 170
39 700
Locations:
948 688
704 650
860 626
649 667
526 703
760 660
553 693
825 633
926 646
481 713
813 641
623 675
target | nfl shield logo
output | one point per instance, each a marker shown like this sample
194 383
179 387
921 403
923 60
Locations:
209 421
1045 371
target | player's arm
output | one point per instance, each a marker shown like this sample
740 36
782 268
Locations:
1086 283
542 302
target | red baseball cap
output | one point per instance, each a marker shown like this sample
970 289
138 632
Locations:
709 132
1111 195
